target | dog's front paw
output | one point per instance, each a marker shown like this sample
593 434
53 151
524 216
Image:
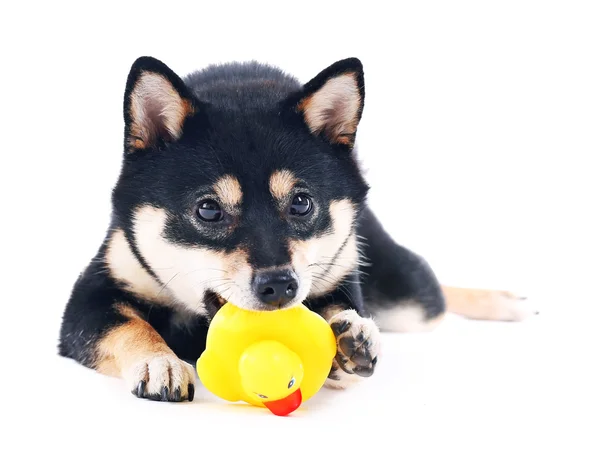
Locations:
357 343
161 377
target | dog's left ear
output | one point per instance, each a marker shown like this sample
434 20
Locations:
332 102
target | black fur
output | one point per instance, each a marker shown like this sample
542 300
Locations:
394 273
245 122
90 314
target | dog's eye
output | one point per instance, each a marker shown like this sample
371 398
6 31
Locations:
209 210
301 205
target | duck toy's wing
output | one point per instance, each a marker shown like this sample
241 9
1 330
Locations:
216 378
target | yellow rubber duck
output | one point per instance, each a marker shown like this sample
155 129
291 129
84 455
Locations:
276 359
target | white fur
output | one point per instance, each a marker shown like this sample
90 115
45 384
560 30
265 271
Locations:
189 272
334 107
311 258
123 265
358 324
155 103
159 370
407 317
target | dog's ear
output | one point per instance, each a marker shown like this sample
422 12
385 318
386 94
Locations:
156 105
332 102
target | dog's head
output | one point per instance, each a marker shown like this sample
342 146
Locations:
254 202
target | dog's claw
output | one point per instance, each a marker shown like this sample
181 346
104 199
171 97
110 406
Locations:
160 378
342 362
340 327
140 389
177 394
191 390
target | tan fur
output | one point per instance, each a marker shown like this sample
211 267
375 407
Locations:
128 343
135 352
229 192
482 304
281 183
333 109
312 257
155 100
330 311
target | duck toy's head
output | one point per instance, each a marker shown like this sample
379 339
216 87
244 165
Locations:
272 374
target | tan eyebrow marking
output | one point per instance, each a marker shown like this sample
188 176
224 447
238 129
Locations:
281 183
228 190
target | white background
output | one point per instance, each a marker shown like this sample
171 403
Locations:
480 134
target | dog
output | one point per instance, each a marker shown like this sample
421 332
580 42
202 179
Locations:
239 183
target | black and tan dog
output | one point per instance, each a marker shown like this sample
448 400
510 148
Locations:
240 184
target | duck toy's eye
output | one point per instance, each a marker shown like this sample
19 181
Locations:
261 396
291 384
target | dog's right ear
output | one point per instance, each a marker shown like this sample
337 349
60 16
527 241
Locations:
156 105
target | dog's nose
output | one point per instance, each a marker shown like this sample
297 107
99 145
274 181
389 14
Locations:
275 287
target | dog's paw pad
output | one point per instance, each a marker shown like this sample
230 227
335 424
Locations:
162 378
357 343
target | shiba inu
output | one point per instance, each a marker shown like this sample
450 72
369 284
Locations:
239 183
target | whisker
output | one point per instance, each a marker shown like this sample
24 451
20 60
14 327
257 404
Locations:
205 282
165 285
216 288
336 286
325 276
203 269
324 267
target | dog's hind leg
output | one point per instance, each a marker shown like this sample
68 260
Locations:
403 294
485 304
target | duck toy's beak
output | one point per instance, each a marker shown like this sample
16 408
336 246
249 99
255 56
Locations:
287 405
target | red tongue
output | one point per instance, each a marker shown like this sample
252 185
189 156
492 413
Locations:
286 405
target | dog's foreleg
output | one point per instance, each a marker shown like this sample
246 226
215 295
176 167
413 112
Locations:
357 335
135 352
117 341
